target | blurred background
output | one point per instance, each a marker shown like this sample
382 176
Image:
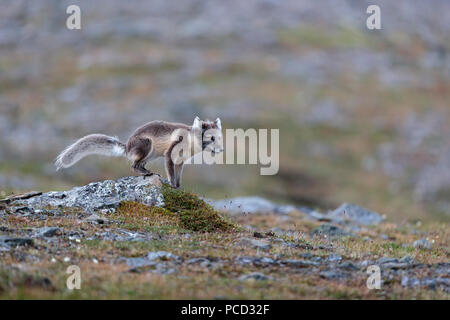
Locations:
363 115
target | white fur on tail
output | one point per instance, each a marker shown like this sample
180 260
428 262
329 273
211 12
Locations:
92 144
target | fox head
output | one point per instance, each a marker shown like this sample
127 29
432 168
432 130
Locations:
211 134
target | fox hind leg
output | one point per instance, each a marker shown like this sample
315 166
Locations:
139 150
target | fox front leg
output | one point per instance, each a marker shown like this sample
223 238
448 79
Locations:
178 173
170 170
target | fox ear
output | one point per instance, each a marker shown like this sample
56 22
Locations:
218 123
196 123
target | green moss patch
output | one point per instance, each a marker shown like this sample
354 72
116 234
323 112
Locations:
194 213
184 211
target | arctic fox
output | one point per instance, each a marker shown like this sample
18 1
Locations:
153 140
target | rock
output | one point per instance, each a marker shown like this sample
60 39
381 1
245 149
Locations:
106 194
422 244
430 283
126 235
258 244
161 268
96 219
20 197
395 265
348 266
254 276
47 231
334 258
409 282
306 255
162 255
329 230
386 260
355 214
300 263
258 235
333 274
15 242
202 262
407 259
250 205
256 261
157 262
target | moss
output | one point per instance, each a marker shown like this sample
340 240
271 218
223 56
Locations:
138 216
194 213
183 212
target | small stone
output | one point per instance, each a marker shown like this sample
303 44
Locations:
386 260
334 258
258 244
329 230
14 242
356 214
407 259
94 218
254 276
162 255
47 231
306 255
300 263
202 262
422 244
258 235
348 266
332 274
395 265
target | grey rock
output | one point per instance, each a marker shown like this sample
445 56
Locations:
254 276
352 213
257 261
202 262
151 259
422 244
334 258
430 283
106 194
15 241
407 259
300 263
409 281
47 231
348 266
333 274
364 263
395 265
162 255
306 255
251 205
258 244
126 235
96 219
160 268
329 230
386 260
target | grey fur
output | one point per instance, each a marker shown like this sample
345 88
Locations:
91 144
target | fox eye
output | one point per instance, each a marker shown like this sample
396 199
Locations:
213 138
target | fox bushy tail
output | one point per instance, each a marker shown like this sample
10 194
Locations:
91 144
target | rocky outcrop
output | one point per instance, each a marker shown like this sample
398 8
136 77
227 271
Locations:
345 214
103 195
